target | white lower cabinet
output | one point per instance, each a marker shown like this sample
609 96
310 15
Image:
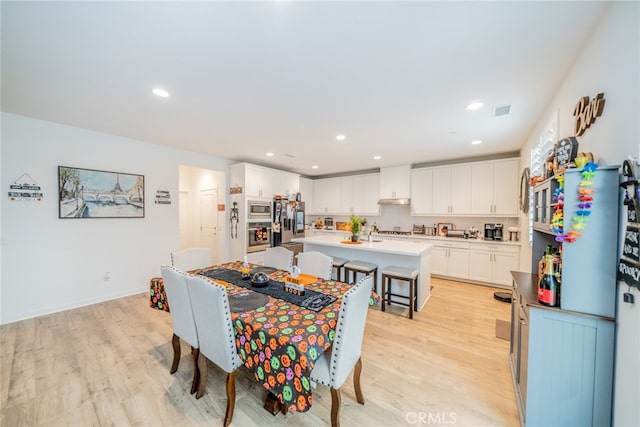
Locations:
493 263
450 259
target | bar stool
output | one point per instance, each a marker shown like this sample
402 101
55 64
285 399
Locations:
391 273
363 267
338 264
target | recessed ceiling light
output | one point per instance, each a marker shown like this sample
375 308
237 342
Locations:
314 167
269 154
476 142
340 137
376 157
160 92
474 106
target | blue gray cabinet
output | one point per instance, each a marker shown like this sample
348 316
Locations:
562 358
589 264
561 361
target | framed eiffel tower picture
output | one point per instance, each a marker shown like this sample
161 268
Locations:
88 193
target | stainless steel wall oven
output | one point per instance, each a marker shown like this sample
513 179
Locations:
258 236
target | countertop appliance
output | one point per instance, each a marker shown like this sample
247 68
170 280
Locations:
288 221
328 223
493 232
460 234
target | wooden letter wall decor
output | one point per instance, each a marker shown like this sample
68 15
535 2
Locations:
586 112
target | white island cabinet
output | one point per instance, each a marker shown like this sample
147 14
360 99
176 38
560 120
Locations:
383 253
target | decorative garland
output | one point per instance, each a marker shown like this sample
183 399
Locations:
585 200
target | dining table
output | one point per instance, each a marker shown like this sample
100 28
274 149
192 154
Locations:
278 334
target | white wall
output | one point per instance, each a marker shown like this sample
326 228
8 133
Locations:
609 63
51 264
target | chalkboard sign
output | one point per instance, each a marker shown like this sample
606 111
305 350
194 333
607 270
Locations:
566 151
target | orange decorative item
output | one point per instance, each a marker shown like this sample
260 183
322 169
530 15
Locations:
303 279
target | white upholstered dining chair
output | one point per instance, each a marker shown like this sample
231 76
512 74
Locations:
316 264
333 367
278 257
215 331
184 327
191 258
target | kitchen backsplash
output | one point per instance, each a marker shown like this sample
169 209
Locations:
398 216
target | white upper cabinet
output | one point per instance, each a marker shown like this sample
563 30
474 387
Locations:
395 182
258 182
334 201
347 202
357 194
422 191
264 183
452 190
290 183
479 188
371 192
326 196
320 196
306 192
365 194
494 187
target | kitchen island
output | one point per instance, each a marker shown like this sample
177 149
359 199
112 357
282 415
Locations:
415 255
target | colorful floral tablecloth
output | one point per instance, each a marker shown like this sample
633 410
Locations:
279 342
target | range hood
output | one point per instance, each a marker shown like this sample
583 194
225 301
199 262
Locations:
404 201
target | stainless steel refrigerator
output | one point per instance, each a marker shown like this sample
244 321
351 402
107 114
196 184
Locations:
288 223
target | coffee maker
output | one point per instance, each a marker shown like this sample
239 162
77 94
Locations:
498 233
493 232
489 231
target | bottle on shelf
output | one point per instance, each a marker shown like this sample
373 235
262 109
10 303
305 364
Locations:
549 285
541 263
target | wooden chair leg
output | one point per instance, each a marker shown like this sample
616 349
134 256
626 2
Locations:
231 397
175 341
202 367
356 381
195 352
336 402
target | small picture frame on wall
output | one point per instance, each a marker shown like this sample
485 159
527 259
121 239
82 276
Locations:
89 193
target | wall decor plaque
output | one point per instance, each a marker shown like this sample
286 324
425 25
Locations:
566 151
586 111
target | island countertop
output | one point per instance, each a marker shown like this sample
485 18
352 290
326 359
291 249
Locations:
406 248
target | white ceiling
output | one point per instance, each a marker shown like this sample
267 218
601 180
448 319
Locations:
286 77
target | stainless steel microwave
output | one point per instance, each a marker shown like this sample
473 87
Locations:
259 210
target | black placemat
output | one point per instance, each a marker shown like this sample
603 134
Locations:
247 301
312 300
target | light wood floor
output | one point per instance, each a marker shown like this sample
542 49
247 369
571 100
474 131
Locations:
108 364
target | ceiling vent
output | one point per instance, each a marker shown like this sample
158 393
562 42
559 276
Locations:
290 155
501 111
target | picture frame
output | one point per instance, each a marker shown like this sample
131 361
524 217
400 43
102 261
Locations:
91 193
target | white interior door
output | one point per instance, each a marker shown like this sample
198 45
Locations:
209 222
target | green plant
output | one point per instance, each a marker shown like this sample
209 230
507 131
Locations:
356 224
